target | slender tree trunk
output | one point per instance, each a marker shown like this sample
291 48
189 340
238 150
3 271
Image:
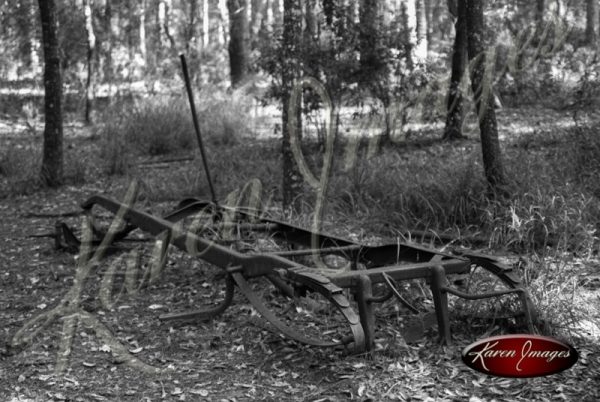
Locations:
456 108
292 31
129 36
591 35
168 20
52 162
429 18
269 17
560 8
108 45
190 31
369 36
256 20
143 47
222 37
422 44
162 25
278 12
311 19
205 24
91 49
27 38
238 38
409 16
481 83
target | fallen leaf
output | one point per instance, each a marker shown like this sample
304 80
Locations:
201 392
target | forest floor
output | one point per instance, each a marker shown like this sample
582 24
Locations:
232 357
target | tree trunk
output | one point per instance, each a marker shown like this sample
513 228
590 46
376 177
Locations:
429 7
456 108
108 45
278 12
256 16
91 49
311 20
190 32
129 36
370 60
162 24
205 24
409 17
26 35
52 162
269 18
238 38
143 47
422 44
591 21
481 83
222 36
292 31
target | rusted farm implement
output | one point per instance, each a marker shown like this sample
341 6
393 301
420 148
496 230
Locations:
370 274
295 268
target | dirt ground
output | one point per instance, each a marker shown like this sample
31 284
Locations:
232 357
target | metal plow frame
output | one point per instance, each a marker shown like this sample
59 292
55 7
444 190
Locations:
369 265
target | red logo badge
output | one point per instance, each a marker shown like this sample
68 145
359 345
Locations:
520 355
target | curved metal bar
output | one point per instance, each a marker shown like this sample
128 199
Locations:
205 314
389 281
508 276
341 303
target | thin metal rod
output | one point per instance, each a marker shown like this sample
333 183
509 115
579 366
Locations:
188 87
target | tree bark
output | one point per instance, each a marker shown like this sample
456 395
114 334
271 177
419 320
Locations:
591 34
91 49
269 17
255 20
455 107
292 33
222 36
52 161
162 25
311 30
205 24
369 37
409 14
422 44
143 47
108 45
26 35
481 83
238 38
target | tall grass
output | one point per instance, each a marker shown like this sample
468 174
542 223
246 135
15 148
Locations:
19 170
553 194
162 124
20 166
